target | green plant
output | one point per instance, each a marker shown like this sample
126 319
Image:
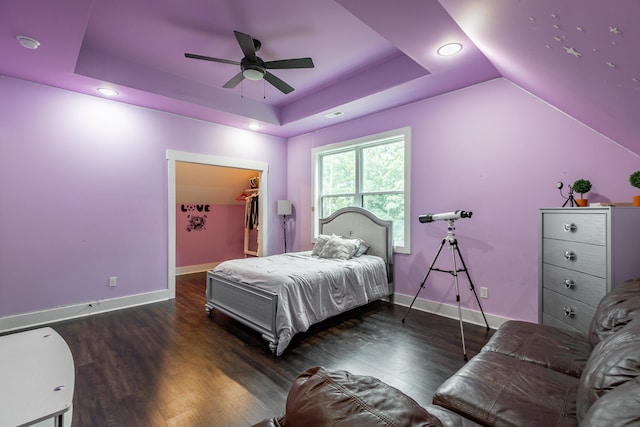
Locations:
582 186
634 179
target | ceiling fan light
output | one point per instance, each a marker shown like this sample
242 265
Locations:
449 49
253 74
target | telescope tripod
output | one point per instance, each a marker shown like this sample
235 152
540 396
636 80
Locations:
453 246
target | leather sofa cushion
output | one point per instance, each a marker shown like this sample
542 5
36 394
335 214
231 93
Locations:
619 407
499 390
449 418
558 349
341 399
616 309
614 361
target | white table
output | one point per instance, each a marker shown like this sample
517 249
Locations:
37 377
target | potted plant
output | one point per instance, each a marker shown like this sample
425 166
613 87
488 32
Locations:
634 179
582 186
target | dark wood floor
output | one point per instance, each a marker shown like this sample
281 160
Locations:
168 364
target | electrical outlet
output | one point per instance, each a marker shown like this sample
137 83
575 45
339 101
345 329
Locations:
484 292
113 281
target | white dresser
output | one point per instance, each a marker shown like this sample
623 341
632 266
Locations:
583 253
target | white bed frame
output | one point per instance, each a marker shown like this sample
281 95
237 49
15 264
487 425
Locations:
257 308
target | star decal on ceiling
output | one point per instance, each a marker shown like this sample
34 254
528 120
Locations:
572 51
615 30
611 64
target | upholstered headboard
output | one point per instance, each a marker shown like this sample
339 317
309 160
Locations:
354 222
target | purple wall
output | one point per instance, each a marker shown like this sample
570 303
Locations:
83 193
493 149
207 233
83 189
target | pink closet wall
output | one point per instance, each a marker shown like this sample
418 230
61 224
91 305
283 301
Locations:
208 233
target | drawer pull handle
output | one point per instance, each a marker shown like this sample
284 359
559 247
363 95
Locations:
569 227
568 283
568 311
568 255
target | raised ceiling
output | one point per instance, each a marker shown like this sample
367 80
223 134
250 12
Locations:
369 55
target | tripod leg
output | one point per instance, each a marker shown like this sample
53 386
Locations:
473 289
454 272
425 279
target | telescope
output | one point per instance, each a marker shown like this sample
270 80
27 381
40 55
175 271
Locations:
445 216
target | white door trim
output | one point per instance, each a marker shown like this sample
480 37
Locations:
205 159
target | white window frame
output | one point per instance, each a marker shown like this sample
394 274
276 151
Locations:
365 141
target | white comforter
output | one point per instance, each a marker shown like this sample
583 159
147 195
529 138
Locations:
310 289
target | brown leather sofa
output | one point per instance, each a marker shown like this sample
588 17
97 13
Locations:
526 375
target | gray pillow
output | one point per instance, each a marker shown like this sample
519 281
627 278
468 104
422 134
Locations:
362 248
321 240
340 248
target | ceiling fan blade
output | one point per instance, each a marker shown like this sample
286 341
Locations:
234 81
289 63
246 44
279 84
208 58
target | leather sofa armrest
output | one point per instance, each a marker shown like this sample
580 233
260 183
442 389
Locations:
339 398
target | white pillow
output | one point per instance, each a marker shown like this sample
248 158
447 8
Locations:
340 248
320 242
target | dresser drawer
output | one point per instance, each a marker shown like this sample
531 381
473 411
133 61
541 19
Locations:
589 259
574 313
548 320
574 284
585 228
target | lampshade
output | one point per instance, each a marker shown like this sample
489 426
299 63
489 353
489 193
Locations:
284 207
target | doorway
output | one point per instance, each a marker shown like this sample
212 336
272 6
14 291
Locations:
179 156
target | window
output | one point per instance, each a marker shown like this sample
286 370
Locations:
371 172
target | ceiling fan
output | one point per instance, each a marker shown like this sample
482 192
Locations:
252 67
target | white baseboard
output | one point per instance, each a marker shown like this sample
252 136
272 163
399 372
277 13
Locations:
29 320
195 268
450 311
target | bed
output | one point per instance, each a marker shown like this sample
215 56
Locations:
278 300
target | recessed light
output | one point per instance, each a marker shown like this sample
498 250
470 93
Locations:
449 49
253 126
107 91
333 114
28 42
